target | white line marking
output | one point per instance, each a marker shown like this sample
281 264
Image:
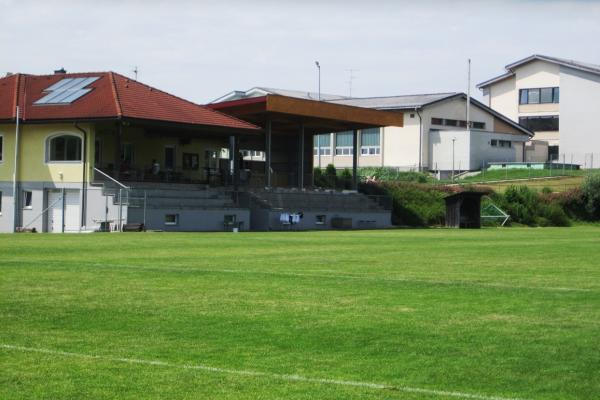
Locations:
284 377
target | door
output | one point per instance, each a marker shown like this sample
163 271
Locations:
71 211
170 158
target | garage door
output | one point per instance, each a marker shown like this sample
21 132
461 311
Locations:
71 211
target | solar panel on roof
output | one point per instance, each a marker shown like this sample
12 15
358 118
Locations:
67 90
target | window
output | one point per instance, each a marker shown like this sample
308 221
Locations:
1 147
27 199
171 219
322 144
97 153
454 122
320 220
369 142
169 158
501 143
191 161
539 95
552 153
343 143
64 148
127 153
540 123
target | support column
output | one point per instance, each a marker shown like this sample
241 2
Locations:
355 159
301 157
234 156
118 150
268 154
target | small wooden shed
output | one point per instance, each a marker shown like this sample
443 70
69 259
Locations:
463 210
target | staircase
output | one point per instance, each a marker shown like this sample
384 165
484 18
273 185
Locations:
293 200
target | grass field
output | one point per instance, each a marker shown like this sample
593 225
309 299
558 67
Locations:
398 314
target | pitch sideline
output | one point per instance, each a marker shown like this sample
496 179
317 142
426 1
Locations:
284 377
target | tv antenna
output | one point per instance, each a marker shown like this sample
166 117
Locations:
135 71
351 78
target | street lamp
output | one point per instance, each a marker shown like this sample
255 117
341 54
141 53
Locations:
453 140
319 68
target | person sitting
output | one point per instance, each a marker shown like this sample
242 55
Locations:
155 167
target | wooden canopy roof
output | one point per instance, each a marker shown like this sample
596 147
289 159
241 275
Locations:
287 113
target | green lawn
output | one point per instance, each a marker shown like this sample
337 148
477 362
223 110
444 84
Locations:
396 314
525 173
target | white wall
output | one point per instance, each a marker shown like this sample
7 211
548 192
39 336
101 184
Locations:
471 149
451 109
504 98
401 145
580 108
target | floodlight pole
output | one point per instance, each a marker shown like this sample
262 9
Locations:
319 70
453 140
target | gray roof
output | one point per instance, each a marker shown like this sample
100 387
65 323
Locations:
396 102
582 66
300 94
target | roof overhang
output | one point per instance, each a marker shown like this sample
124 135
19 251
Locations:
287 113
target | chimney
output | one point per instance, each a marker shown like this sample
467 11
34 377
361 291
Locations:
60 71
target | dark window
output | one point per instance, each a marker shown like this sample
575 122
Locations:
437 121
171 219
539 95
552 153
97 153
523 99
1 143
27 199
65 148
478 125
542 123
450 122
170 158
534 96
494 142
191 161
127 154
546 95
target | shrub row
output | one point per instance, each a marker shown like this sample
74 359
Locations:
418 204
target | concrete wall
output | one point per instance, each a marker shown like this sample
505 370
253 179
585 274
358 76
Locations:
580 106
472 149
364 220
190 220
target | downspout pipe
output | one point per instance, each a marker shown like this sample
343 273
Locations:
15 171
420 139
83 175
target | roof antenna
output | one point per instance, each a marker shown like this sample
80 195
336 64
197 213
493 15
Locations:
351 78
135 71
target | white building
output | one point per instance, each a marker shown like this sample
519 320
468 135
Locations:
558 99
435 132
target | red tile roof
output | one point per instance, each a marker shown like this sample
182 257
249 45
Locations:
112 96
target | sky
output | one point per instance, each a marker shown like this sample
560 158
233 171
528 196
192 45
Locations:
201 50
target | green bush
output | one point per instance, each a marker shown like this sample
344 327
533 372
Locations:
392 174
413 204
553 215
591 195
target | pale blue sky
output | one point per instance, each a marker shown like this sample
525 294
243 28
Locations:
203 49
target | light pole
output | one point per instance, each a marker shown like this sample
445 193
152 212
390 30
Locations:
453 140
319 68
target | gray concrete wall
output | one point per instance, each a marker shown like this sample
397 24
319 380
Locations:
189 220
7 211
360 220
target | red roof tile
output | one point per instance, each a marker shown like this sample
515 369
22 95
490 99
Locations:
112 96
